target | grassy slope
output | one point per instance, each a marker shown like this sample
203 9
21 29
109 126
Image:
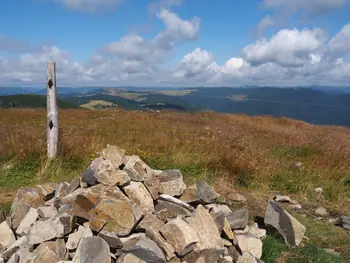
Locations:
253 154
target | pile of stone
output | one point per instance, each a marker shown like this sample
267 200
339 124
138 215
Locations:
120 210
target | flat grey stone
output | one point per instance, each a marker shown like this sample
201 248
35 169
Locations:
250 243
205 192
166 210
94 249
22 241
289 228
111 238
46 212
27 222
145 249
238 219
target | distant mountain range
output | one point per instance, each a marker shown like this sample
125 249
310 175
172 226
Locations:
318 105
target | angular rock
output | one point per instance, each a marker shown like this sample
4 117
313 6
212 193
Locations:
138 193
89 175
74 185
205 192
250 243
24 200
152 185
27 222
176 201
166 210
14 247
238 219
219 219
46 212
321 211
74 238
180 235
253 230
203 255
100 192
47 190
117 216
108 173
7 237
129 258
226 231
213 208
113 153
247 258
283 199
289 228
50 252
137 170
93 249
42 231
206 230
226 242
153 226
24 253
345 222
112 239
13 259
233 252
81 207
145 249
190 195
171 183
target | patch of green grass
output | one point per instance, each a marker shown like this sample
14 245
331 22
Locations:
313 254
325 235
5 208
293 151
273 247
289 181
20 173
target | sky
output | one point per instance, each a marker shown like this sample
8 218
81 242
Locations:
176 42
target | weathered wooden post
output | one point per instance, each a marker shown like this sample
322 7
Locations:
52 111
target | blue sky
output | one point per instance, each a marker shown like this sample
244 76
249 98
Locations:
176 42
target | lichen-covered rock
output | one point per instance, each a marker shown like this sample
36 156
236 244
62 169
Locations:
93 249
113 153
137 169
24 200
27 222
190 195
108 173
205 192
250 243
138 193
238 219
171 183
49 252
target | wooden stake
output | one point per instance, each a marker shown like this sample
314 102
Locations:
52 111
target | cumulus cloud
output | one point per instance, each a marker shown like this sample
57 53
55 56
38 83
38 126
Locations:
14 45
340 44
283 9
140 54
90 5
286 48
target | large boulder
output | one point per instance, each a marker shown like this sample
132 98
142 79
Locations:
153 226
289 228
117 216
180 235
145 249
24 200
171 183
138 193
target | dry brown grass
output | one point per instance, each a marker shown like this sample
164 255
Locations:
251 151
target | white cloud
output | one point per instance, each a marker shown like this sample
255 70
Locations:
283 9
90 5
286 48
340 44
